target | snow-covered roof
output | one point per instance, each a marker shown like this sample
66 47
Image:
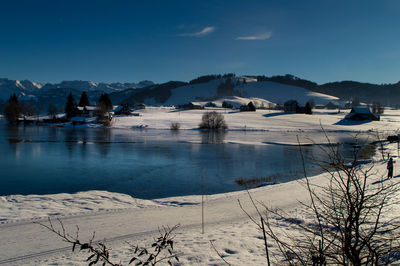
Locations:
361 110
118 108
89 108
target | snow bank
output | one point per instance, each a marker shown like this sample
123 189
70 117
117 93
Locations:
19 207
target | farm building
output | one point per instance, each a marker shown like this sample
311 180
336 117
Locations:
361 113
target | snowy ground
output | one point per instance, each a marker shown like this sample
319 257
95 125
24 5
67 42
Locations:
267 120
119 218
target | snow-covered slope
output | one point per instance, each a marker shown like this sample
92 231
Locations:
193 92
270 91
279 93
237 101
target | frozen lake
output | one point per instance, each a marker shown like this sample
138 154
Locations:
142 163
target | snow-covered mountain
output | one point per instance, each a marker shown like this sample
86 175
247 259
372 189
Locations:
27 88
22 88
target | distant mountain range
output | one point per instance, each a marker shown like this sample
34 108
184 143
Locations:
26 88
276 89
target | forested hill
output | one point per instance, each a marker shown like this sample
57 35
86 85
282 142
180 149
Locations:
386 94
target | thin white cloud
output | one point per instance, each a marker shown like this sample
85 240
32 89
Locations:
263 36
202 33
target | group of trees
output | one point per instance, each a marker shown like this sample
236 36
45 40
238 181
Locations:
104 105
71 106
14 109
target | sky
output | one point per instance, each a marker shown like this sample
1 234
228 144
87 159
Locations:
130 41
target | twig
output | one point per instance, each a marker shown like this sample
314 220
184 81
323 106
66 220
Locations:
227 263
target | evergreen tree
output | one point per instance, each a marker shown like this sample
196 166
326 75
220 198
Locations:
105 102
251 107
308 109
13 109
70 106
226 105
84 101
312 103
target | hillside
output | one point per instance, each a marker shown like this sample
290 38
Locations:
273 92
386 94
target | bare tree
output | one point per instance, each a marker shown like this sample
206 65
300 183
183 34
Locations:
52 110
213 120
351 219
175 126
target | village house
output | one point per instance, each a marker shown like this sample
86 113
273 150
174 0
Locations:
290 106
361 113
85 111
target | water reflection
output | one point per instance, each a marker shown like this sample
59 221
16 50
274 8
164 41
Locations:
13 138
103 138
70 140
213 137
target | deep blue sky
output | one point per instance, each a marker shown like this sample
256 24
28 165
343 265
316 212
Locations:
320 40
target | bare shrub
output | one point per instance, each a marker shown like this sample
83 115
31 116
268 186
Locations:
175 126
212 120
161 250
350 217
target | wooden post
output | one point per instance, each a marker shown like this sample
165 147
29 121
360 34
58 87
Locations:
202 204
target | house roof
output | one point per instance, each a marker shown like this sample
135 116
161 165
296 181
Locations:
361 110
291 102
89 108
118 108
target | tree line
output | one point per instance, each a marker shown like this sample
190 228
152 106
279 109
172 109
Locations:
15 110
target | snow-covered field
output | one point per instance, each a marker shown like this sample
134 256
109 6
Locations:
119 218
263 120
